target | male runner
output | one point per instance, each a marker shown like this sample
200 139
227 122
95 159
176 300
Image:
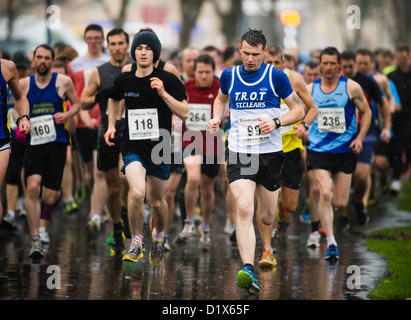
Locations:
253 92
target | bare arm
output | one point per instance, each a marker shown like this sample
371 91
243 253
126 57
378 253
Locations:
179 108
88 97
357 97
298 83
295 114
69 93
113 109
20 100
219 110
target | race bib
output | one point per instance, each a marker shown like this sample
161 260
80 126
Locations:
250 133
143 124
43 130
331 120
284 111
199 116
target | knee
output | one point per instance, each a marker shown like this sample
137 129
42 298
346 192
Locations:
327 196
267 219
245 209
136 195
33 190
193 181
113 191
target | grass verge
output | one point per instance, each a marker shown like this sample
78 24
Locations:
394 244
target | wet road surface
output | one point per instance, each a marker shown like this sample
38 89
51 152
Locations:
88 272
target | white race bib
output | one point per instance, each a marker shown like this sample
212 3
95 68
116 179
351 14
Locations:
250 133
199 116
43 130
331 120
143 124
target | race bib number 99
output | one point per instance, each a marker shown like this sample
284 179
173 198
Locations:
331 120
143 124
250 133
42 130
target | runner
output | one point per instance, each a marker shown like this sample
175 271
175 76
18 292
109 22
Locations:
291 136
199 149
45 155
254 91
148 119
334 140
98 87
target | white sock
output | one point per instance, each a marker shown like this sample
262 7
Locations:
330 241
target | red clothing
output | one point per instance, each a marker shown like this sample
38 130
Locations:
200 100
79 81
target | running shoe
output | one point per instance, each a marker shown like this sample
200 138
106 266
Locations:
44 236
9 222
167 244
247 280
135 252
94 226
314 240
268 259
36 250
71 206
117 246
187 232
343 224
332 253
282 215
205 239
361 212
158 251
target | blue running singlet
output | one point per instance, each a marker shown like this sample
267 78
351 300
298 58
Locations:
335 127
252 95
44 103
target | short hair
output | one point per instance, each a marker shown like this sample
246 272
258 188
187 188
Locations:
348 55
229 52
274 50
94 27
254 38
365 52
312 64
403 47
116 31
331 51
206 59
47 47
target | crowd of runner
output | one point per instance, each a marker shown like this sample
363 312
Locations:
143 135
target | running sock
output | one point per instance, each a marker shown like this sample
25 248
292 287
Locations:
12 213
315 225
96 217
249 267
330 241
158 236
205 226
191 219
118 226
138 238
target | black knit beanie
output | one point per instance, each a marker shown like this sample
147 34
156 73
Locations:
148 38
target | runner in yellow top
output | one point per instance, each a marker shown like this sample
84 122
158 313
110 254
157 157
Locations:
292 136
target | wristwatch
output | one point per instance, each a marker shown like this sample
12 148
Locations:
277 123
306 125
